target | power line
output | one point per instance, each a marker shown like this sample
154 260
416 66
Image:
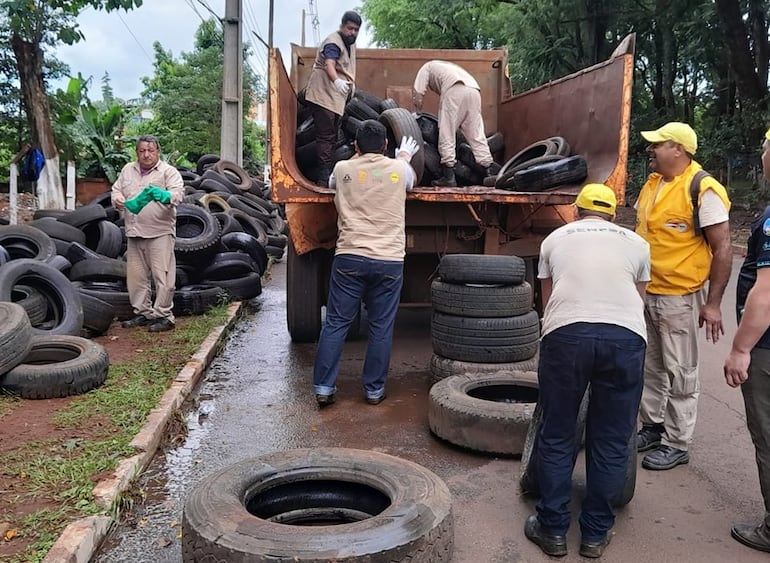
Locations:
146 54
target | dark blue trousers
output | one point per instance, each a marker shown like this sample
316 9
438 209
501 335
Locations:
611 359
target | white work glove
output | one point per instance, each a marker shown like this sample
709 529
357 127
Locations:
407 148
342 86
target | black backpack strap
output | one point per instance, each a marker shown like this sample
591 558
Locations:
694 193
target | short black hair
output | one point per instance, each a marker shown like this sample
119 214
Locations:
371 136
351 16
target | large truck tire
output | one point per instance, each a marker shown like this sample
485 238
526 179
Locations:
58 366
481 301
441 367
482 269
321 505
15 336
401 123
304 293
488 413
492 340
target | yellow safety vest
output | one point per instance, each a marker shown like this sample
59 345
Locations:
680 259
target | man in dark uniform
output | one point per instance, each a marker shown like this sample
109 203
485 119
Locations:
748 363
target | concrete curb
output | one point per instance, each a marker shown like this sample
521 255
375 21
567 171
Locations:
80 539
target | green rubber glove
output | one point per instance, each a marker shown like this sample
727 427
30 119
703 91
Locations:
137 203
159 194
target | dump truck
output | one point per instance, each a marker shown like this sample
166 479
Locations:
591 109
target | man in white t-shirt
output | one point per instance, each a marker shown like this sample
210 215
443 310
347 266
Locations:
593 275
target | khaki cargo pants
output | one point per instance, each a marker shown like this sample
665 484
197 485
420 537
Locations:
671 384
154 257
460 108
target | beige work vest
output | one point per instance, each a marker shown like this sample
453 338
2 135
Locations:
320 90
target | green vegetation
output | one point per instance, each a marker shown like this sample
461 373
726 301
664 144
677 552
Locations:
62 473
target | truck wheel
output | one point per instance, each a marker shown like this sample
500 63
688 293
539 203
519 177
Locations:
566 171
400 123
58 366
441 367
304 297
487 413
482 269
493 340
321 505
481 301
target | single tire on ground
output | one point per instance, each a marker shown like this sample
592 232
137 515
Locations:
441 367
321 505
482 269
481 300
58 366
15 336
487 413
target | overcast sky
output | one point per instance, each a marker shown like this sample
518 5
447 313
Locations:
120 43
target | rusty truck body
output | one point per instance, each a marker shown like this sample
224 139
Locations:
590 109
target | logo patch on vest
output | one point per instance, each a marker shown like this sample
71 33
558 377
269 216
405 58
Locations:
346 179
362 177
394 178
676 225
766 227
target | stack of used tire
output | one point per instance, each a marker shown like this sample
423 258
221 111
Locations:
485 337
44 364
423 127
544 165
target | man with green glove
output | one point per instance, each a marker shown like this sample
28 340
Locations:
149 191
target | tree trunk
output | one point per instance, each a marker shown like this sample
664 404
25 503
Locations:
741 60
29 61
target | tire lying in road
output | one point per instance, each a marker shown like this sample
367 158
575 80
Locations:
58 366
487 413
528 482
324 504
15 335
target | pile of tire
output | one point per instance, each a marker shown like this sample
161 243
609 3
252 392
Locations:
544 165
485 336
423 127
37 364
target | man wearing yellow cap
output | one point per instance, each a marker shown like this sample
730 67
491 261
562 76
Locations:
748 364
676 304
593 275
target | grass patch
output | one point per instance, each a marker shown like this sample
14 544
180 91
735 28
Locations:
62 473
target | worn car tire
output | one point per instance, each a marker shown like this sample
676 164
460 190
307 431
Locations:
205 162
487 413
399 123
492 340
33 302
64 308
58 366
244 242
15 336
234 173
386 509
481 301
428 124
97 315
197 234
228 265
117 298
241 288
441 367
482 269
58 230
104 238
250 224
25 242
103 269
197 299
84 215
214 202
566 171
506 181
360 110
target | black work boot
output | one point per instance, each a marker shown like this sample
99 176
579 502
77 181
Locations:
551 544
447 179
753 535
324 171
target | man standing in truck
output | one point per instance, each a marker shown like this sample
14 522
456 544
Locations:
748 364
331 81
671 211
593 276
368 262
459 108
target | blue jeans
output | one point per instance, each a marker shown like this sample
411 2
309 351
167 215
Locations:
378 284
611 359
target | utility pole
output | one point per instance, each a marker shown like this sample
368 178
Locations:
231 141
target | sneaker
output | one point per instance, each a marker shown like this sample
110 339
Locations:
375 401
161 325
665 457
595 549
139 320
648 438
754 536
550 544
324 400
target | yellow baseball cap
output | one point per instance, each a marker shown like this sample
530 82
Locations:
680 133
597 197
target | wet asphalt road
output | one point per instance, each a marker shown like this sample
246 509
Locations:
257 398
